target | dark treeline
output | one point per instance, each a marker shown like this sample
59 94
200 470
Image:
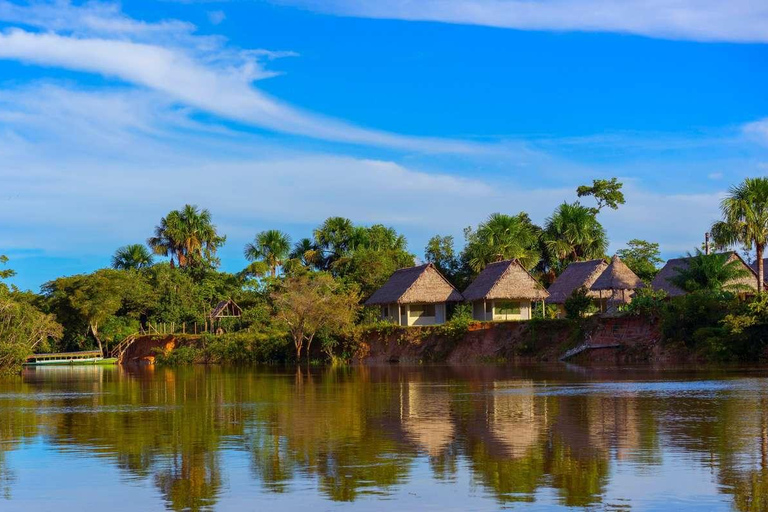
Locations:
296 293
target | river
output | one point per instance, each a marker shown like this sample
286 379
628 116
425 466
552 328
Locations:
383 438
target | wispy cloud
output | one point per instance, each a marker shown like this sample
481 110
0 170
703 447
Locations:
126 157
742 21
202 73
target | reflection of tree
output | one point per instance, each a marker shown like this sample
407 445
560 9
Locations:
358 431
191 480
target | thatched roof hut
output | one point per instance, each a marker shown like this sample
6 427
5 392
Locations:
662 281
617 276
576 275
423 284
226 309
505 280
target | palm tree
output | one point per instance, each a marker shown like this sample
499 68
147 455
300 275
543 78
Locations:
132 257
745 220
503 237
271 246
710 272
335 238
573 233
305 251
189 236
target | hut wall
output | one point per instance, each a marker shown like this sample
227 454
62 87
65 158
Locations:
501 310
424 314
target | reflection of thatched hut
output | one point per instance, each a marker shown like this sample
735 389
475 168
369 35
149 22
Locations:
426 417
577 275
504 291
415 296
672 267
514 421
617 283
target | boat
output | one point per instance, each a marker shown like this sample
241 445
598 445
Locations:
86 357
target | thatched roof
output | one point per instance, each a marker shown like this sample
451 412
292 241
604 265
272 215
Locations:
576 275
617 276
226 309
422 284
670 270
505 280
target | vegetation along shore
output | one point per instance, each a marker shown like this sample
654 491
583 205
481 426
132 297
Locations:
350 293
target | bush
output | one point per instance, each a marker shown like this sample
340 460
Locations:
646 302
579 304
179 356
685 315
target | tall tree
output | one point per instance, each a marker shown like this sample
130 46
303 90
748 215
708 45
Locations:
606 193
307 304
270 247
6 272
335 238
573 233
711 273
439 251
745 220
503 237
187 236
306 252
642 257
132 257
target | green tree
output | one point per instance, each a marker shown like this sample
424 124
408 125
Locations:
579 304
710 273
270 247
745 220
188 237
500 238
606 193
573 233
306 252
642 258
307 304
22 329
439 251
5 273
334 238
133 256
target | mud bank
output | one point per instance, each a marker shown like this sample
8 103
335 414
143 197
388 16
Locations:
635 339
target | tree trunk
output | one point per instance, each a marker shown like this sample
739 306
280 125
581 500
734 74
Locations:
95 331
309 344
298 342
760 270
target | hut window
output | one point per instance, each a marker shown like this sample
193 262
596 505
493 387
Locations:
507 308
384 311
419 310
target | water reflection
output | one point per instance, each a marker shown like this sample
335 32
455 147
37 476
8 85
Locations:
542 435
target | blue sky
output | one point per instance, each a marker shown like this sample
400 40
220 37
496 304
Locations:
426 116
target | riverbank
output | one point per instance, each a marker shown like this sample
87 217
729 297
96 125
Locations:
614 340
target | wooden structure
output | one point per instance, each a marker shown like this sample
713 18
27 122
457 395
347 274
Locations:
616 284
580 274
415 296
224 309
504 291
68 358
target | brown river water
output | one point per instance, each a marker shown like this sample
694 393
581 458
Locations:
384 438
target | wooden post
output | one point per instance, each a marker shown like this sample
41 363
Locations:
485 312
195 326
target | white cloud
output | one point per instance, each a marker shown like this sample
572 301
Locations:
84 172
715 175
216 17
197 72
757 131
741 21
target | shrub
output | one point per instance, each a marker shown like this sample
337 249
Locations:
579 304
646 302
